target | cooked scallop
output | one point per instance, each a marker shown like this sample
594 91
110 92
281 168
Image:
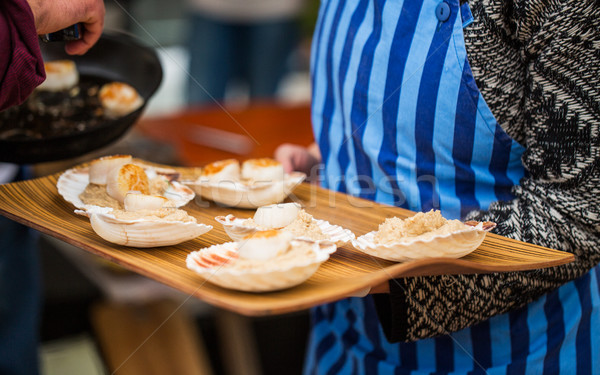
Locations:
224 266
243 194
99 168
126 178
424 235
135 201
276 215
264 245
119 99
262 170
60 75
303 225
220 171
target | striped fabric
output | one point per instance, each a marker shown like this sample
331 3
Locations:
365 71
399 119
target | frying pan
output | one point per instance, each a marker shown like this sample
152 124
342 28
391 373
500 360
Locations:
117 56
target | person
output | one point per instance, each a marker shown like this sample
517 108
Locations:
240 41
21 70
21 63
486 110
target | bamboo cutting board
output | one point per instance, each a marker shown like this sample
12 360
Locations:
36 203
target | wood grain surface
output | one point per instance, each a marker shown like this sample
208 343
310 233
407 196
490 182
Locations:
37 204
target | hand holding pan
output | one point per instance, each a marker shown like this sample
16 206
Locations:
117 56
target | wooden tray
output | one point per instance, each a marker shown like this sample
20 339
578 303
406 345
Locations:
36 203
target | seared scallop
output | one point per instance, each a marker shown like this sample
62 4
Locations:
126 178
60 75
100 167
221 171
119 99
262 170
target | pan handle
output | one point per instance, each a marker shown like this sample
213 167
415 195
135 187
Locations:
73 32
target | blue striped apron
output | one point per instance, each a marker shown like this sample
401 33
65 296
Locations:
399 120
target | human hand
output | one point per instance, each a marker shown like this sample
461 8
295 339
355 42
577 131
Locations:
382 288
298 158
55 15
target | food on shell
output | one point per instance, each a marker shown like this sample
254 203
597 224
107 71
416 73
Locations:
263 170
224 265
264 245
221 171
135 201
276 215
126 178
254 183
74 184
251 171
423 235
145 228
100 167
301 225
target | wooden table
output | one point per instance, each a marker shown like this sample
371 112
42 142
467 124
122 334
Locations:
204 134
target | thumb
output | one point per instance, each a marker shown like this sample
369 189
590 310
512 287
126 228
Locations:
287 165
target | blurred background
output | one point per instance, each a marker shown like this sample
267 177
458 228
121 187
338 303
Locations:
232 65
187 33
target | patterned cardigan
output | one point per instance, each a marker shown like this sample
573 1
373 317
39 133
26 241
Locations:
537 64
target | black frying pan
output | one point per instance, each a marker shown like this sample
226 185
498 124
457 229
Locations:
116 57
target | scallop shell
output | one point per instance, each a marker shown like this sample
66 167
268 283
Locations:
141 232
208 263
238 194
452 245
73 182
237 230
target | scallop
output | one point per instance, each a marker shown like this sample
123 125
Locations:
126 178
221 171
138 202
100 168
454 244
258 183
74 181
263 170
119 99
264 245
241 195
222 265
237 228
60 75
276 215
143 231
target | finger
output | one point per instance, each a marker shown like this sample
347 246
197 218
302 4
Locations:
288 167
76 47
282 155
299 160
91 32
81 46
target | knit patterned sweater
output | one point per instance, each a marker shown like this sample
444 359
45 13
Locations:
537 65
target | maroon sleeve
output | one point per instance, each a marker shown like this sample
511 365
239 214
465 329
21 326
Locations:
21 63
